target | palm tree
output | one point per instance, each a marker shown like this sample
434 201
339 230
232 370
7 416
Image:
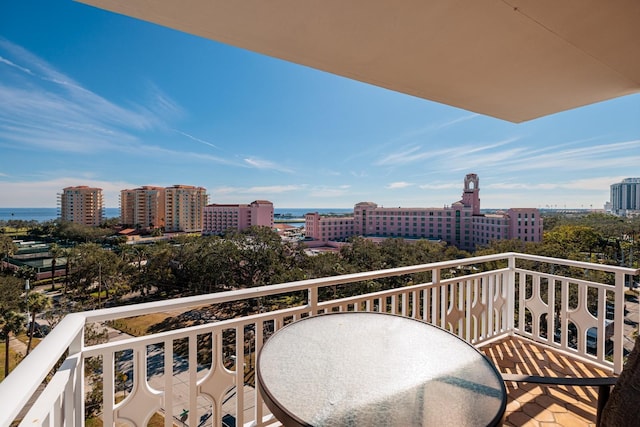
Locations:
54 252
11 322
36 303
68 254
7 248
26 272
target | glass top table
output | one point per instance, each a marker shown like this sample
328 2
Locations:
376 369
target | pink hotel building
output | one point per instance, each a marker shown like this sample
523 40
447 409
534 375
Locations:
460 224
219 218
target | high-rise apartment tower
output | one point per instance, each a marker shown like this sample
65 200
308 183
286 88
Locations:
82 205
183 208
625 197
143 207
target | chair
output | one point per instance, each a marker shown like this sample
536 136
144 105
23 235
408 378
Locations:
603 383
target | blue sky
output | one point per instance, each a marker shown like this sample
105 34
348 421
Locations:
88 97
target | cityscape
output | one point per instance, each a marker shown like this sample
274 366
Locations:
184 208
102 277
319 213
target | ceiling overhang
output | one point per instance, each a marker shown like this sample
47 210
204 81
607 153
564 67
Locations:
511 59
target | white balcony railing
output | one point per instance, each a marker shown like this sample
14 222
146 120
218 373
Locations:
551 301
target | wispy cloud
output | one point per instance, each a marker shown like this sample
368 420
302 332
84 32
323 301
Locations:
449 154
44 109
11 64
601 156
263 189
407 155
599 183
397 185
410 138
455 121
329 192
507 157
272 189
440 186
202 141
174 155
32 193
415 133
358 174
266 164
521 186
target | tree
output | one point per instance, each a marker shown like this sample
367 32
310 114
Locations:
80 233
10 290
264 258
362 255
54 252
574 240
68 253
36 303
93 267
7 248
11 322
158 270
26 272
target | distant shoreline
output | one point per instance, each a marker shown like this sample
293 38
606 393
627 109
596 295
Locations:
281 215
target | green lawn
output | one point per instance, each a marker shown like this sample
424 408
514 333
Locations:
12 360
156 420
138 326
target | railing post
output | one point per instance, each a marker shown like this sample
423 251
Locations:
511 294
618 324
74 396
312 295
438 317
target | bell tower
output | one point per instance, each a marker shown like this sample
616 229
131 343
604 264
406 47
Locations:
471 193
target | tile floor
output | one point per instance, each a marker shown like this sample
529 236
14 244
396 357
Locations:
533 405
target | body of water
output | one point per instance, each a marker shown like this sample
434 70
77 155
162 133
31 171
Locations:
47 214
42 214
300 212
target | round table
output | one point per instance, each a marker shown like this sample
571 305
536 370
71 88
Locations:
376 369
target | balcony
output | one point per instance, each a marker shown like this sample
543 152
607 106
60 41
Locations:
528 314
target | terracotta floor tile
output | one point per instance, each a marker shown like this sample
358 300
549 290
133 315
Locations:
551 404
520 419
532 405
570 420
538 413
